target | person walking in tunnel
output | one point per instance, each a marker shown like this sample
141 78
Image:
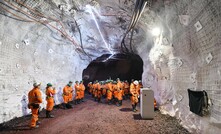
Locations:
34 99
82 91
50 92
134 94
77 92
67 90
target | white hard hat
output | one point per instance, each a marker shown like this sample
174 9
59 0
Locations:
36 84
136 82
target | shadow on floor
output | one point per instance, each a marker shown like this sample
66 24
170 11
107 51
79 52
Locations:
15 128
138 117
126 109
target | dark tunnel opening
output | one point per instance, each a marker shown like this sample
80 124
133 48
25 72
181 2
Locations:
123 66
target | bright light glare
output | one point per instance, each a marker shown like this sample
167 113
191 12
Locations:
156 31
91 10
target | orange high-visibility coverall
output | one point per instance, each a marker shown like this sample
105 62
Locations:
126 88
115 90
93 90
34 97
134 93
50 92
99 92
155 103
119 95
120 87
77 90
90 86
66 93
82 89
96 87
109 91
70 93
104 89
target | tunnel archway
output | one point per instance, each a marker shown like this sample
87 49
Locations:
123 66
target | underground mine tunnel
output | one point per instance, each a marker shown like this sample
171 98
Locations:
107 66
172 46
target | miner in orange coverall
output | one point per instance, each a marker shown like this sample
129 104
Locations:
34 98
71 92
126 89
93 90
77 92
82 90
120 92
99 91
109 91
96 86
67 91
50 92
115 92
134 94
104 89
90 87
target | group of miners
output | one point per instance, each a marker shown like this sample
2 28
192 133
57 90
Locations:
35 99
79 89
113 91
116 91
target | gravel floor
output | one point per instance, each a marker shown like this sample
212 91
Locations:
91 117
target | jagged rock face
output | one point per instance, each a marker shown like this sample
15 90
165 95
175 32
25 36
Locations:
48 48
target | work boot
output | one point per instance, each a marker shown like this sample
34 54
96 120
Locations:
68 105
64 106
48 115
75 102
120 102
38 122
37 126
135 106
78 101
109 102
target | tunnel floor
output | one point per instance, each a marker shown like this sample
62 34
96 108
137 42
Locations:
91 117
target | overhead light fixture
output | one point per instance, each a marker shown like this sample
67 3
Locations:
156 31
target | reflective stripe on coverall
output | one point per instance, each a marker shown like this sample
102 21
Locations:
34 96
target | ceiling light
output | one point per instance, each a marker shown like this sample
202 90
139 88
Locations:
156 31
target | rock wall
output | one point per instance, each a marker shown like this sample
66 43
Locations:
30 51
186 55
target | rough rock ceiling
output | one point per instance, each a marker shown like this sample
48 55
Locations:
94 27
185 55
